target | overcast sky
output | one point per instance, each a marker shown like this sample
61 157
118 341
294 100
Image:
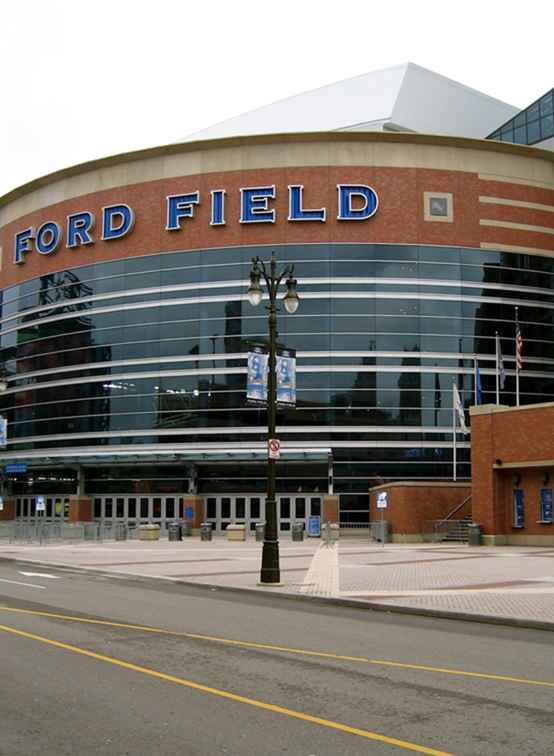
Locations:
82 79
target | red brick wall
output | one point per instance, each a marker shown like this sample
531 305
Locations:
522 438
399 219
8 513
409 506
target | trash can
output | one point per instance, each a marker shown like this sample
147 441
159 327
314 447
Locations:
260 531
206 531
186 528
174 532
474 534
298 531
120 531
383 531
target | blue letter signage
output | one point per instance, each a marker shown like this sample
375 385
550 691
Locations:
357 202
254 204
117 221
366 199
297 212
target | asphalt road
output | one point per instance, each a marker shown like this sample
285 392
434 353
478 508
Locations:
283 685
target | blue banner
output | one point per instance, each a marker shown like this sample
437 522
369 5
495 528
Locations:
546 504
519 509
3 431
256 381
286 377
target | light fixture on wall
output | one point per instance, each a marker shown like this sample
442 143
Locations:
546 479
516 480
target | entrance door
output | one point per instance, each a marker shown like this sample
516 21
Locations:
248 509
135 510
295 508
243 509
56 509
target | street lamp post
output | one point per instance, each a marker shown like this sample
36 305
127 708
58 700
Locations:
270 573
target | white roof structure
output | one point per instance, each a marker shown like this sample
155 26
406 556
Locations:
402 98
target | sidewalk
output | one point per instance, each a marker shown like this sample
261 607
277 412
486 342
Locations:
507 584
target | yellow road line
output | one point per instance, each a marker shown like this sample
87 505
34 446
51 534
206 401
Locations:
286 649
230 696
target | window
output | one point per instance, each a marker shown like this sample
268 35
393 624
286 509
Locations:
438 206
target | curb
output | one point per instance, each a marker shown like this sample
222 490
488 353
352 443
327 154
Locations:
318 600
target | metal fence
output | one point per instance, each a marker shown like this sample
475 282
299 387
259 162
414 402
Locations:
44 533
356 529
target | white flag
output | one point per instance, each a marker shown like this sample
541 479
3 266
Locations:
500 364
458 406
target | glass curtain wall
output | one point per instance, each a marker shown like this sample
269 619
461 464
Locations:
151 351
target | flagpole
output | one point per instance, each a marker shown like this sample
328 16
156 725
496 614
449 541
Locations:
453 433
497 371
517 363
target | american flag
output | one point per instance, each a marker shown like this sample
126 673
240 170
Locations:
519 347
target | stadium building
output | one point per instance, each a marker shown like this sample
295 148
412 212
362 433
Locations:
418 213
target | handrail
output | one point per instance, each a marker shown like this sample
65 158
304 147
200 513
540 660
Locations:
453 512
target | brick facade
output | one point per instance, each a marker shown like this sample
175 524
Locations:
511 448
411 504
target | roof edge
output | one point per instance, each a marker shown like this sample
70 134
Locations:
284 138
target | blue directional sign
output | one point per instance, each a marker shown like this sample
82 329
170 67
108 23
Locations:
15 467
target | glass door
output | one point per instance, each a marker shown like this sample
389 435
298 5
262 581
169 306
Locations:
285 505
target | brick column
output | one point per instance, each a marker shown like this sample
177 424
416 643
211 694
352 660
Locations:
486 507
196 504
80 509
330 508
8 513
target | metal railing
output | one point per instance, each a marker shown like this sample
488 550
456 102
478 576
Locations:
359 529
435 531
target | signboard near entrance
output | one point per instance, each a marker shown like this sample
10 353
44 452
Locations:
41 504
382 500
15 467
314 526
546 504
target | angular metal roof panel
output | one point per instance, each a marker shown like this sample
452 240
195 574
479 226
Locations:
406 97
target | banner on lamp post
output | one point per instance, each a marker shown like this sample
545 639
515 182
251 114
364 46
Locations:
286 377
256 380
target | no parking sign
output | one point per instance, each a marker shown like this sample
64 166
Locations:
274 448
